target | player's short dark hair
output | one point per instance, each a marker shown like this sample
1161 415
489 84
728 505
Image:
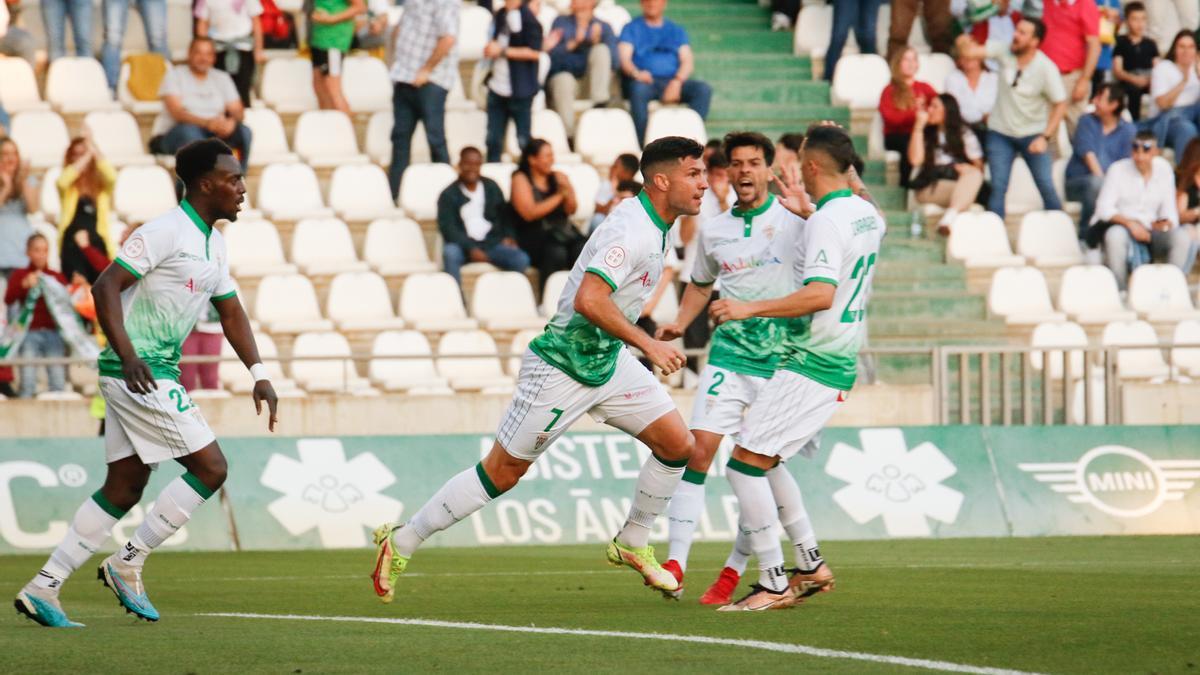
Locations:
1039 28
668 150
628 161
792 141
1116 94
196 159
1134 6
630 186
748 139
469 150
834 142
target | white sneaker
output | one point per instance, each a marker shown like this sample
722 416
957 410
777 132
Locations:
780 23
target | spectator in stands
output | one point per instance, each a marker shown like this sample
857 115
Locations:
236 30
370 28
784 14
1101 138
1187 187
55 14
85 188
862 16
515 49
939 23
18 199
473 223
42 339
898 105
206 339
203 103
332 28
14 40
583 55
657 62
787 152
947 157
1168 17
998 27
974 87
1073 43
1134 58
4 121
1030 104
542 202
624 169
424 67
1136 217
1175 94
116 16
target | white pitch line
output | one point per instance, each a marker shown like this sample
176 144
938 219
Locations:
780 647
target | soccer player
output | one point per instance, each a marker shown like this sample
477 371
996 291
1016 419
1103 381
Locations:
748 249
835 263
147 302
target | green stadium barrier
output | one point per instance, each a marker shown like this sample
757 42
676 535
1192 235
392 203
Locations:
863 484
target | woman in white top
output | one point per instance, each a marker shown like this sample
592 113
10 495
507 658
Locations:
974 87
1175 94
947 159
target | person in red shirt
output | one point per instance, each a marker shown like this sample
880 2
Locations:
1073 44
43 340
898 105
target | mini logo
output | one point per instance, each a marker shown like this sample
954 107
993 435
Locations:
1117 480
636 393
615 257
769 231
135 247
541 440
190 285
646 280
821 257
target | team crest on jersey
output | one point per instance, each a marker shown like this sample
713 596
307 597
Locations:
541 440
135 247
615 257
769 231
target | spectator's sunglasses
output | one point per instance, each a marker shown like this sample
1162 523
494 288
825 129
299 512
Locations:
1144 146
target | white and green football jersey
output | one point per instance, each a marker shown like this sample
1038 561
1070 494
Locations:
627 252
181 266
750 253
840 246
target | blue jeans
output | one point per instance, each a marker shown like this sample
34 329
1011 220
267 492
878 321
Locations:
42 344
696 94
507 258
1175 128
182 134
116 17
861 15
1001 150
500 109
410 105
1084 189
54 16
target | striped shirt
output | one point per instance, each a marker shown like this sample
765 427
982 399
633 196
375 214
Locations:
421 25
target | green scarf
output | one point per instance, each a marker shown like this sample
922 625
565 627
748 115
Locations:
58 301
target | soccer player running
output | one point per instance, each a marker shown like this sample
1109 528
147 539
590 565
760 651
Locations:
147 302
580 365
749 250
834 264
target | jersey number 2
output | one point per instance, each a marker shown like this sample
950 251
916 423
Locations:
182 403
862 268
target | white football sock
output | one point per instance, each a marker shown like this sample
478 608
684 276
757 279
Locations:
172 509
93 522
794 518
683 515
657 481
739 555
461 496
757 521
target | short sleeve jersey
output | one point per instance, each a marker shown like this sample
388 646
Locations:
627 251
751 253
181 265
840 246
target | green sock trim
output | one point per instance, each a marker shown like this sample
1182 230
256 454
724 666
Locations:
488 486
742 467
671 463
194 483
694 477
107 506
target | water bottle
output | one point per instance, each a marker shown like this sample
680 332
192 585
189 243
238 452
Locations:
916 226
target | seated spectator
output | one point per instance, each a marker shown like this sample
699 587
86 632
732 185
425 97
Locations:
624 168
41 339
1174 94
18 199
1101 138
85 188
5 122
235 27
203 103
14 40
583 55
332 31
1030 104
947 158
116 18
898 105
1168 17
1187 190
1134 58
55 14
862 16
657 62
974 87
515 50
542 203
473 223
206 339
1136 213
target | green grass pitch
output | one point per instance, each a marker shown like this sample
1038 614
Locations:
1056 605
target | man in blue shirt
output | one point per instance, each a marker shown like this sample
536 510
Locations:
1101 138
583 50
657 63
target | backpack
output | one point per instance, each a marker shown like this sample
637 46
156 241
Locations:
279 28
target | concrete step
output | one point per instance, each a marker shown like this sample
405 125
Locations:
944 332
933 305
781 94
745 42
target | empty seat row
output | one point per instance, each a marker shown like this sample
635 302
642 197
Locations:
1147 363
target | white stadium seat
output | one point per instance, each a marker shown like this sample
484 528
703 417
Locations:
76 84
503 301
42 137
1089 296
325 138
668 306
474 30
502 173
1023 195
129 101
933 69
359 301
1187 359
415 374
979 239
143 193
396 247
462 128
603 133
287 303
335 374
553 290
516 349
323 246
859 79
433 302
236 378
1049 239
421 186
546 125
586 181
116 135
612 14
49 201
471 374
366 84
360 193
1020 295
814 25
270 144
290 191
18 86
1059 334
287 85
676 121
1137 364
379 137
254 249
1159 293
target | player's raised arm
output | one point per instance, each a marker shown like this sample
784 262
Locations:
593 303
106 293
236 326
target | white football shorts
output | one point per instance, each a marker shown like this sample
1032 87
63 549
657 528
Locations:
162 425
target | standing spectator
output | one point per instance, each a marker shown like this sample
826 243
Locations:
898 105
948 159
657 62
332 23
206 339
370 28
14 40
583 54
784 14
85 188
1073 43
1136 213
235 27
54 16
1030 104
18 199
1168 17
974 87
542 202
42 340
1101 138
1110 23
862 16
1174 94
624 169
1134 58
203 103
939 22
515 50
471 218
999 26
424 68
116 16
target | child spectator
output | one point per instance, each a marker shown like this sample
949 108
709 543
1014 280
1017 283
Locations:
624 169
1134 57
